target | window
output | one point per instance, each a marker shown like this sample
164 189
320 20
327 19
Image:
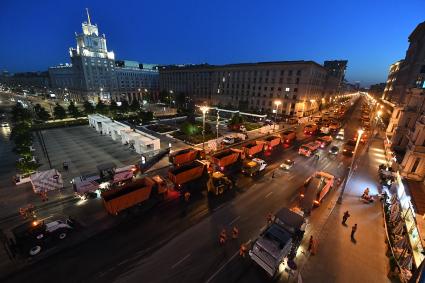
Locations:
272 88
265 88
290 73
282 72
295 89
279 88
299 73
297 81
415 165
287 89
271 95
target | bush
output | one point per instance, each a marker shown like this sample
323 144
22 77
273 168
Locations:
59 124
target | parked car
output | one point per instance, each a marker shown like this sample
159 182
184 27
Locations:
4 124
287 164
340 135
334 150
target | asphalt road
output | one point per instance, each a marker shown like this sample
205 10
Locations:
178 242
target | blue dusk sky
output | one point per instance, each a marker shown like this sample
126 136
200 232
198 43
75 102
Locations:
370 34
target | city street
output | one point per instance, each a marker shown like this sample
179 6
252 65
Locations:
175 241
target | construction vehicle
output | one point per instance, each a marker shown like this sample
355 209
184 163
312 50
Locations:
280 240
31 237
310 129
349 148
325 141
184 156
288 136
253 148
107 175
314 190
218 183
188 177
134 193
253 166
228 159
272 142
308 149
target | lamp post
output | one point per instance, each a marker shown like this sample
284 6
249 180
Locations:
360 133
140 96
277 103
204 110
171 92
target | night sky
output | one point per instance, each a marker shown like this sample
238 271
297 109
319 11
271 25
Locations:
371 34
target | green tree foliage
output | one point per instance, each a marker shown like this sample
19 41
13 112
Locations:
88 107
73 110
180 100
113 108
59 112
236 119
145 116
41 112
20 114
124 106
101 107
26 166
164 97
135 105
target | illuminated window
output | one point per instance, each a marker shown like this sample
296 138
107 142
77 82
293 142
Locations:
287 89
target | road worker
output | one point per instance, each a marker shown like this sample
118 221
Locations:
235 232
242 250
186 196
223 237
269 218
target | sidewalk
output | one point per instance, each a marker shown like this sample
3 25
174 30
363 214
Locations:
338 258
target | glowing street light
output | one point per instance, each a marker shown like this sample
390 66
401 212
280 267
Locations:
360 133
277 103
204 110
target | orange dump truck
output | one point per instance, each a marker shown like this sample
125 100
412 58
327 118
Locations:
225 159
188 177
133 193
184 156
272 141
251 149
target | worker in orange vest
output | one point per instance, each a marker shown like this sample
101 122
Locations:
186 196
235 232
269 218
242 250
223 237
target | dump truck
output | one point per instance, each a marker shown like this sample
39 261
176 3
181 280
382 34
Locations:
218 183
253 166
288 136
278 241
310 129
223 161
184 156
253 148
272 142
313 191
134 193
188 177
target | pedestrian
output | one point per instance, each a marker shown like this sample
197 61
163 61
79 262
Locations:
269 218
186 196
242 250
273 174
235 232
345 217
223 237
353 231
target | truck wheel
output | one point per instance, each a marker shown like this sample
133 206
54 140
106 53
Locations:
35 250
62 234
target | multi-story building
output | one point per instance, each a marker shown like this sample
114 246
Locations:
377 90
406 128
94 74
33 80
298 85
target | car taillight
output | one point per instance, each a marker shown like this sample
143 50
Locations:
302 195
316 202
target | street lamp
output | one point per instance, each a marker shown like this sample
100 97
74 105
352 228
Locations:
140 96
204 110
360 133
277 103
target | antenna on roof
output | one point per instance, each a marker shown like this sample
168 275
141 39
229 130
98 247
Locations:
88 16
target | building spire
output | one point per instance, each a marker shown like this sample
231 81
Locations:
88 16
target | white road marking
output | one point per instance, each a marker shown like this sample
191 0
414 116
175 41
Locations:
234 220
226 263
218 207
268 194
180 261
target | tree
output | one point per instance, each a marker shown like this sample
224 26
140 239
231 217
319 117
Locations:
189 129
134 106
124 106
113 108
101 107
73 110
145 116
88 107
26 166
59 112
41 112
164 96
236 119
20 114
180 100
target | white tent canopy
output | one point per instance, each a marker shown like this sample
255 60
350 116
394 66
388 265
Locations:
46 181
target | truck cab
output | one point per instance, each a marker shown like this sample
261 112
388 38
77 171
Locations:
218 183
31 237
313 191
254 166
278 241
